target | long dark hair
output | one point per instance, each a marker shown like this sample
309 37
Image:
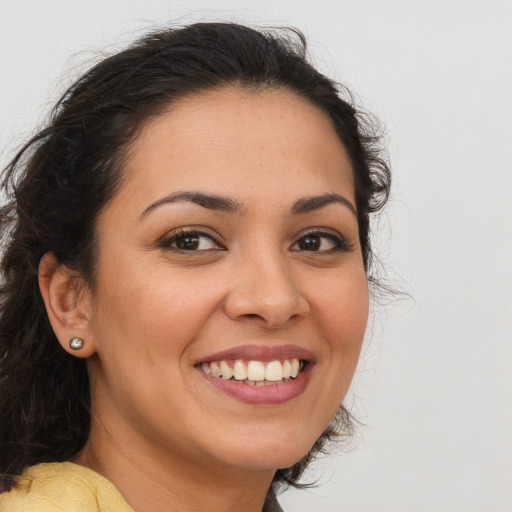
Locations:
61 179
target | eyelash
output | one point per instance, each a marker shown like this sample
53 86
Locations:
340 243
169 241
172 238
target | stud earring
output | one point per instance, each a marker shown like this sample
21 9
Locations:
76 343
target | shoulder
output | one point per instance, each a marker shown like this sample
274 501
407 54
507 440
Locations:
62 487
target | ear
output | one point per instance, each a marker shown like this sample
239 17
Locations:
68 304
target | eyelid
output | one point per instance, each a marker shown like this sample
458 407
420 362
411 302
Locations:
166 240
342 244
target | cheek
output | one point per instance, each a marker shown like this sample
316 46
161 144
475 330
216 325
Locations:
343 306
343 315
143 326
151 314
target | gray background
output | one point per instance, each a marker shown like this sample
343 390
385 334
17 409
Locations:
434 384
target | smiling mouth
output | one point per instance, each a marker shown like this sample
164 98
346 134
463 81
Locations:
254 372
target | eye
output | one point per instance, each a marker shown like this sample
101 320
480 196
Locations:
317 241
189 240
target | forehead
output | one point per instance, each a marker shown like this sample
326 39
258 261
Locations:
240 141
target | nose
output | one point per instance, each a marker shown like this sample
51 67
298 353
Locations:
265 291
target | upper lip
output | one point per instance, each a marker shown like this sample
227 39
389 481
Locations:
259 353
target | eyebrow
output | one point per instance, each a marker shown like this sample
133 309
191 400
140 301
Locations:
210 201
229 205
309 204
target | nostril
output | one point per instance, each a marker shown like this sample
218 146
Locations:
271 307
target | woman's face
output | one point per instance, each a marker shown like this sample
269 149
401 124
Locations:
232 247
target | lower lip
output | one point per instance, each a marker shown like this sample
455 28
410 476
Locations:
262 395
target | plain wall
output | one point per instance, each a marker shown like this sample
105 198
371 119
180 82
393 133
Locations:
434 384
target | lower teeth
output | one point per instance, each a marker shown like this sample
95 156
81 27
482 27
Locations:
259 383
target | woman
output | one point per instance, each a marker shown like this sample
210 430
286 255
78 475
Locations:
186 275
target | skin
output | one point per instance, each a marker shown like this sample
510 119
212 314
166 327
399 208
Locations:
155 310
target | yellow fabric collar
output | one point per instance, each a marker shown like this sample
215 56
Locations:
63 487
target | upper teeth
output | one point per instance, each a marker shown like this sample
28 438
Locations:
253 370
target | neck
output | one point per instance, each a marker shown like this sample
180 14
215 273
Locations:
170 480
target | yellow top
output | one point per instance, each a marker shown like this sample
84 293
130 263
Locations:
62 487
